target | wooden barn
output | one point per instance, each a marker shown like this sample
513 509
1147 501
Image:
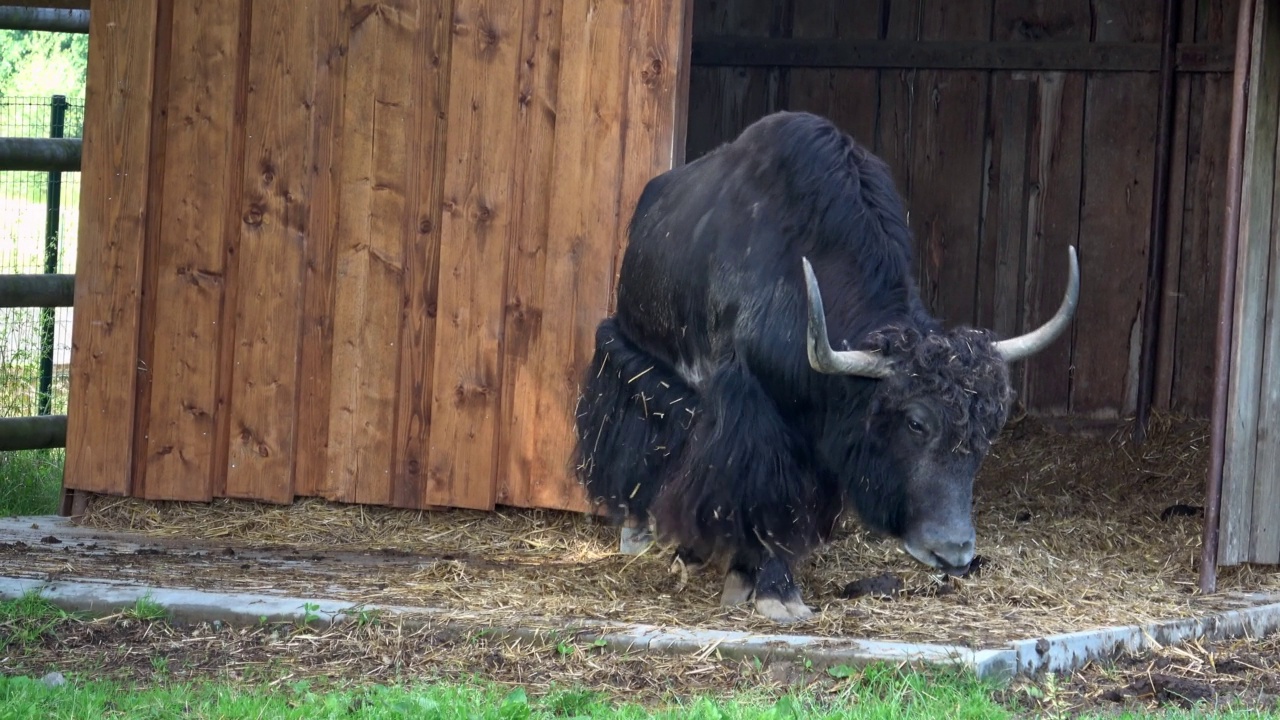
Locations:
357 249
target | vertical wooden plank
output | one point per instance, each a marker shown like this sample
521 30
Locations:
231 252
1001 246
1032 199
269 299
476 227
705 99
315 357
1264 529
113 217
150 274
652 99
650 102
849 98
1193 327
584 223
894 139
189 257
422 265
370 245
1240 469
1055 173
620 93
947 161
1115 216
728 99
1180 147
525 466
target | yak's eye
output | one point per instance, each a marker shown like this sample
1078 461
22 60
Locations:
915 426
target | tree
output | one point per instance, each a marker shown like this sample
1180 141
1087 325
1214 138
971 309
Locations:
41 64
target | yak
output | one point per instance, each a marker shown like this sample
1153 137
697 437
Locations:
717 412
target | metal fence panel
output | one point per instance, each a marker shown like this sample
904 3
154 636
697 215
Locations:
38 234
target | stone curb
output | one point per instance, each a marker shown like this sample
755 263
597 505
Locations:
1032 657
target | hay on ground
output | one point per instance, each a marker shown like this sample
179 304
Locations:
1075 531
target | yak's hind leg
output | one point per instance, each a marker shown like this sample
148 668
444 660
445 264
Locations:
745 487
632 419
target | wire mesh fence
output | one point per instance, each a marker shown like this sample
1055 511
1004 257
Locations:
39 226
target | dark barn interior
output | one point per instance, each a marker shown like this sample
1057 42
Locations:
1015 128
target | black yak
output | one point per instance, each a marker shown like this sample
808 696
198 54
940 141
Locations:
718 409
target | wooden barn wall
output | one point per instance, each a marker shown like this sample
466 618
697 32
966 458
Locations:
356 249
1002 169
1249 519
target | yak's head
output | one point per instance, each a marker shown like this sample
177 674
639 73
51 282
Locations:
941 399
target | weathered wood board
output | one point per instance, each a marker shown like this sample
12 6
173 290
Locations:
1249 519
334 234
1003 168
116 172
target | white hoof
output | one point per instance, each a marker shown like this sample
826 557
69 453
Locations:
780 612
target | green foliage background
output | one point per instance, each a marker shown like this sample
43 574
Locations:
43 64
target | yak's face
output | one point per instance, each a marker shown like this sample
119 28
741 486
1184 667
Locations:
937 485
933 421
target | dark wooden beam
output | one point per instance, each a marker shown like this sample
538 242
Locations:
42 154
976 55
37 291
37 432
55 4
16 17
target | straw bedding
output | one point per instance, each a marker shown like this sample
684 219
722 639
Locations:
1075 531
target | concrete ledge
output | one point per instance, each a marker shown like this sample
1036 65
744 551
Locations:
1069 651
191 605
1251 616
1056 653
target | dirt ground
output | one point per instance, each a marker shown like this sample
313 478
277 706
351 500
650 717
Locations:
1077 532
1243 674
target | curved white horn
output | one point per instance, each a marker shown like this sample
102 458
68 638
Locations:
1022 346
821 356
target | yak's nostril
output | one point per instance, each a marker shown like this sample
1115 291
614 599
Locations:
954 554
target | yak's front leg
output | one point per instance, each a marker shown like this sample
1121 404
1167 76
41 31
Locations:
776 594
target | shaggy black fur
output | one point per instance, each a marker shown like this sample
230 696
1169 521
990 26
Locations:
633 418
700 408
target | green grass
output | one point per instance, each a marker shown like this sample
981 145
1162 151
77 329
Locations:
909 696
876 693
30 482
29 698
25 621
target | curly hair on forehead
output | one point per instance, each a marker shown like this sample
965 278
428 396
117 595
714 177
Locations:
958 368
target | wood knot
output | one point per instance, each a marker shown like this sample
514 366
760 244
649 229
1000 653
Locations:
484 213
651 72
425 226
487 35
253 216
413 467
465 392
